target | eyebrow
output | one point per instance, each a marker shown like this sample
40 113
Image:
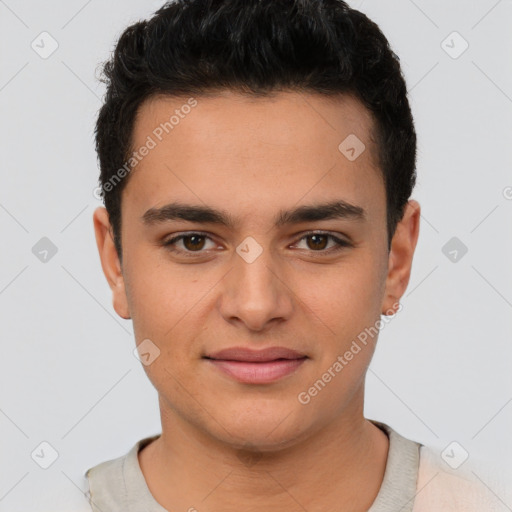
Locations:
205 214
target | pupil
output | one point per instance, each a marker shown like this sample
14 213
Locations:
193 237
315 237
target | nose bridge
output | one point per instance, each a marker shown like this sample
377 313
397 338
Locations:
253 290
257 275
254 273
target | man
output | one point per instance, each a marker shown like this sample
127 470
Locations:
257 161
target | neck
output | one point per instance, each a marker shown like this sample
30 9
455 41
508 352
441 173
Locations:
341 466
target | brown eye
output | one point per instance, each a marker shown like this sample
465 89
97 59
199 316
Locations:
319 242
193 242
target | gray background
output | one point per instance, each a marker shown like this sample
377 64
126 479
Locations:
442 369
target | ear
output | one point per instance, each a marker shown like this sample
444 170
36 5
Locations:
401 254
110 261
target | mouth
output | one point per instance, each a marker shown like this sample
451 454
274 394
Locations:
257 366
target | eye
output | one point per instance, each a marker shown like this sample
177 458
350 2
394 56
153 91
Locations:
319 241
192 243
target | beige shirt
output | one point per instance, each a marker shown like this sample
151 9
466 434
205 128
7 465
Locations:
416 479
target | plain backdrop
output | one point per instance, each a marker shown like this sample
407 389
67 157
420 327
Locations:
442 369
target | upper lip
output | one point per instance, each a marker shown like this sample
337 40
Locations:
246 354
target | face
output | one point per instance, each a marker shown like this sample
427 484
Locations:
266 264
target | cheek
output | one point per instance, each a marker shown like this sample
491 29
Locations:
344 298
167 307
160 295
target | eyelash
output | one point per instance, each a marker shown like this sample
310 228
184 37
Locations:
168 244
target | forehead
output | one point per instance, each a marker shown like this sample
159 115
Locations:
228 148
300 115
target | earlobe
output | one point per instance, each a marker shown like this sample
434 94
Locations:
394 306
110 261
401 256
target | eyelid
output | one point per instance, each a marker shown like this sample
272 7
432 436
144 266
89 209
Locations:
339 236
338 239
168 243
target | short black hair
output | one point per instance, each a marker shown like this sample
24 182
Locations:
256 47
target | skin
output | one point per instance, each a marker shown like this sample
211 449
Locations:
253 157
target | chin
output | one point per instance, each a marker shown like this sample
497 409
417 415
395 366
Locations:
270 430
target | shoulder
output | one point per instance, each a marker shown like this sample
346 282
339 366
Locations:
450 481
109 472
116 483
106 484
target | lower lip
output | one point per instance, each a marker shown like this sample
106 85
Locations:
257 373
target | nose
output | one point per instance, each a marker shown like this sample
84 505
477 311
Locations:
256 293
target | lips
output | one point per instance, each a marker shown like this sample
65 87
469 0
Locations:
257 366
258 356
